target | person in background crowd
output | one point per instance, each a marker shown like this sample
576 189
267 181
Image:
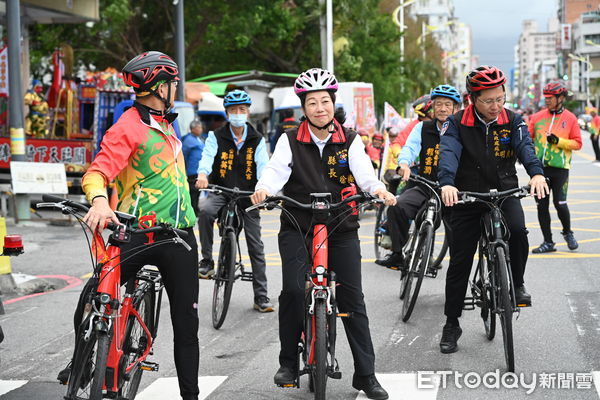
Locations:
288 122
595 132
193 145
375 150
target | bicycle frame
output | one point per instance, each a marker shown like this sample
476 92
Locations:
494 238
112 315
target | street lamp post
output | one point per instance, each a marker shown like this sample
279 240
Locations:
398 17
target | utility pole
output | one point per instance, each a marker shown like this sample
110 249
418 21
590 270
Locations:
15 98
180 49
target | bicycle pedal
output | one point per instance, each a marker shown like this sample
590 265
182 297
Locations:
247 276
149 366
289 385
335 374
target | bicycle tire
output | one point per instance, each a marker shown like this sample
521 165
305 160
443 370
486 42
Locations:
487 298
505 303
438 254
101 359
84 365
320 371
408 250
224 279
417 270
378 234
135 342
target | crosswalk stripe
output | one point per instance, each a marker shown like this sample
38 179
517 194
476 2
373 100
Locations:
8 386
404 387
168 388
596 378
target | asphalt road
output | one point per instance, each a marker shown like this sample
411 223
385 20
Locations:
557 341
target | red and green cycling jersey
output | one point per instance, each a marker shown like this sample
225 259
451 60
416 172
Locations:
564 125
143 155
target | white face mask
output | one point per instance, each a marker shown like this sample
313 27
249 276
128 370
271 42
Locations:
238 120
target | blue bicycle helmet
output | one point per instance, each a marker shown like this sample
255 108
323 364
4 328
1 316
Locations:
236 97
446 91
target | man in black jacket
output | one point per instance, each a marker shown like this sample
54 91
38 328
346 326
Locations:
234 156
479 148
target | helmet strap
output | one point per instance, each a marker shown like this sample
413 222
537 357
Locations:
166 101
330 126
559 106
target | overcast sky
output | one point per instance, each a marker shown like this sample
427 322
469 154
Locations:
496 25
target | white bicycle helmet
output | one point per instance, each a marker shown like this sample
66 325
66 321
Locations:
315 79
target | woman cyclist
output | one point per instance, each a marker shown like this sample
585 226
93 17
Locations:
321 156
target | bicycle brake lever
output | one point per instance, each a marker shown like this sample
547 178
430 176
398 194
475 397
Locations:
179 240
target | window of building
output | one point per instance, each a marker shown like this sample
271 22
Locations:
594 38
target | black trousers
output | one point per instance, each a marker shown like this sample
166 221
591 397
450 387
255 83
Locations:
179 270
407 206
465 223
194 193
558 180
344 259
594 139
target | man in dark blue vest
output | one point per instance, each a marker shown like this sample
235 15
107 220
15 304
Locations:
424 143
234 156
479 148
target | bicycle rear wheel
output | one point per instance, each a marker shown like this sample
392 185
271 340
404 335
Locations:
417 270
408 251
320 370
89 365
381 234
224 279
505 308
135 342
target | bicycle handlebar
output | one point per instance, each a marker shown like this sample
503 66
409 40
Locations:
60 202
228 191
420 179
492 195
332 206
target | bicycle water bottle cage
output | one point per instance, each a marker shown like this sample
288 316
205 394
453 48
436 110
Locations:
320 205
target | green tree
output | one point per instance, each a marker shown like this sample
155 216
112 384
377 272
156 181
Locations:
270 35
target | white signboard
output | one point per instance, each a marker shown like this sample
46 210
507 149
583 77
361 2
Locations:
565 36
32 177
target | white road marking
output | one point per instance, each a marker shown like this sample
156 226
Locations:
404 387
168 388
8 386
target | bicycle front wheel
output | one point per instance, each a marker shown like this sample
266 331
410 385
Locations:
224 279
320 370
485 283
505 308
89 365
421 261
135 342
439 248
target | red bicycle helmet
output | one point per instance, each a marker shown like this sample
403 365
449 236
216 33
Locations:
147 69
485 77
422 105
555 88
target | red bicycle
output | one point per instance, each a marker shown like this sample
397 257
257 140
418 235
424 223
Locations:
317 344
116 332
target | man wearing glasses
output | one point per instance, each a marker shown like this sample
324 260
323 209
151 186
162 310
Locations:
479 148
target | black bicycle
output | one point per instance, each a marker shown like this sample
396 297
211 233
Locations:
229 266
317 343
383 243
418 251
492 285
